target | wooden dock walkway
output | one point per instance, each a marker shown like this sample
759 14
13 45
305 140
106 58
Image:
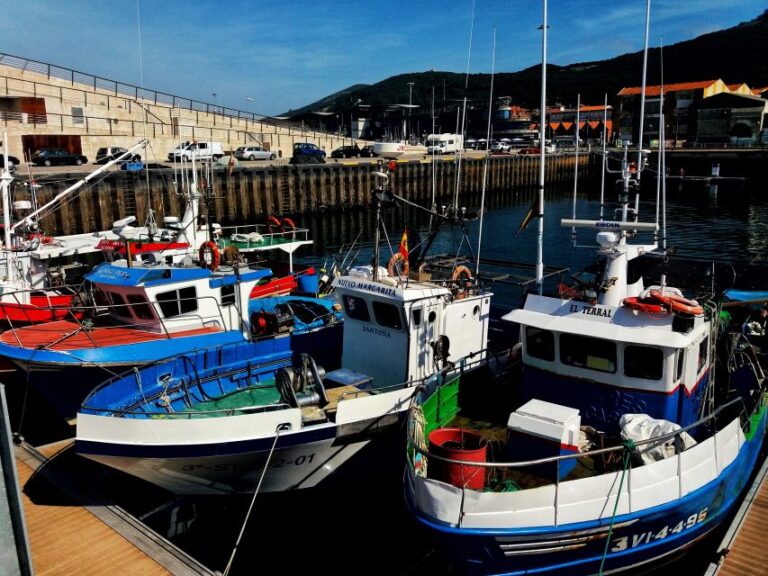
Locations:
742 551
72 533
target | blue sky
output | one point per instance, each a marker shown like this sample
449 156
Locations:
269 56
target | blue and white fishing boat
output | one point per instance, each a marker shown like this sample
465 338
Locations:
213 420
137 315
638 420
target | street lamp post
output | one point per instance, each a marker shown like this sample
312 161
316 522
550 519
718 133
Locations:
248 101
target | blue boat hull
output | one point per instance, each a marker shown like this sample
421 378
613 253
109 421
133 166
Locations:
578 549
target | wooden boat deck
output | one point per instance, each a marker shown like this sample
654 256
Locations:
73 535
68 335
743 551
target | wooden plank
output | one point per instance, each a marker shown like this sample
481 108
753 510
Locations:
67 539
743 550
75 533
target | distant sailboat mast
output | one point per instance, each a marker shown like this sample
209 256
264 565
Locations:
542 150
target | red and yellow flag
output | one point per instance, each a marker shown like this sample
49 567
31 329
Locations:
404 244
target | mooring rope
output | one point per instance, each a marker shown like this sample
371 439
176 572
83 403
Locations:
629 447
253 501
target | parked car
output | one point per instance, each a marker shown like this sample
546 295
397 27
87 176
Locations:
352 151
530 151
307 153
104 155
254 153
12 161
57 156
367 152
200 150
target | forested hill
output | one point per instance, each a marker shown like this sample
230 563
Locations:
738 54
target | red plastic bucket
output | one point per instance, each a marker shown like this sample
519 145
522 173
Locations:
458 444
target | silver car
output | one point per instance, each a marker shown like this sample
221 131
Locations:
254 153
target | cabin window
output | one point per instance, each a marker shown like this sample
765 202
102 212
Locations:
540 343
176 302
643 362
591 353
680 364
387 315
118 301
356 308
140 307
227 295
703 354
416 316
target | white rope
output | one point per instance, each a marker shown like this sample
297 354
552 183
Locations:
253 501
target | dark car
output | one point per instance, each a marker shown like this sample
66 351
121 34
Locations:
367 152
57 156
307 153
12 161
104 155
346 152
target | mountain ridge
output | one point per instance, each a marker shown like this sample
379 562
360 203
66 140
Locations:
718 54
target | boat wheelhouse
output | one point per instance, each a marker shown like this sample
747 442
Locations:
292 418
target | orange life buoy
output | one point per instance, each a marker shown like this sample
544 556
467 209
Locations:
288 226
273 225
461 272
210 257
398 257
643 305
678 303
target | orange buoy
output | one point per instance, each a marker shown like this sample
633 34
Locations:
210 257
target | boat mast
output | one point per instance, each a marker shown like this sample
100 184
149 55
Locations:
576 166
605 155
487 159
642 107
6 186
542 147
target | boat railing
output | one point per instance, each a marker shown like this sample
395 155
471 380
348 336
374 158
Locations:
147 317
190 414
416 445
270 234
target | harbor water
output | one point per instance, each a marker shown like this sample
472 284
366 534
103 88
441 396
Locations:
359 524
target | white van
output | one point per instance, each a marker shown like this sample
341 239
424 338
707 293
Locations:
444 143
200 150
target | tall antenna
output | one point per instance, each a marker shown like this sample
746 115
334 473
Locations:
542 150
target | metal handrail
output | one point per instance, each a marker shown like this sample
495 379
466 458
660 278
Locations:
154 304
599 451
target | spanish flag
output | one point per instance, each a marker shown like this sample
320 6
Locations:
404 244
533 212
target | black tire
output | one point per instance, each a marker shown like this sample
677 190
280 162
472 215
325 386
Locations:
47 162
137 158
79 161
272 157
251 157
216 157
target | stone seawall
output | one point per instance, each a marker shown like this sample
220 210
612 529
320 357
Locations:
248 195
